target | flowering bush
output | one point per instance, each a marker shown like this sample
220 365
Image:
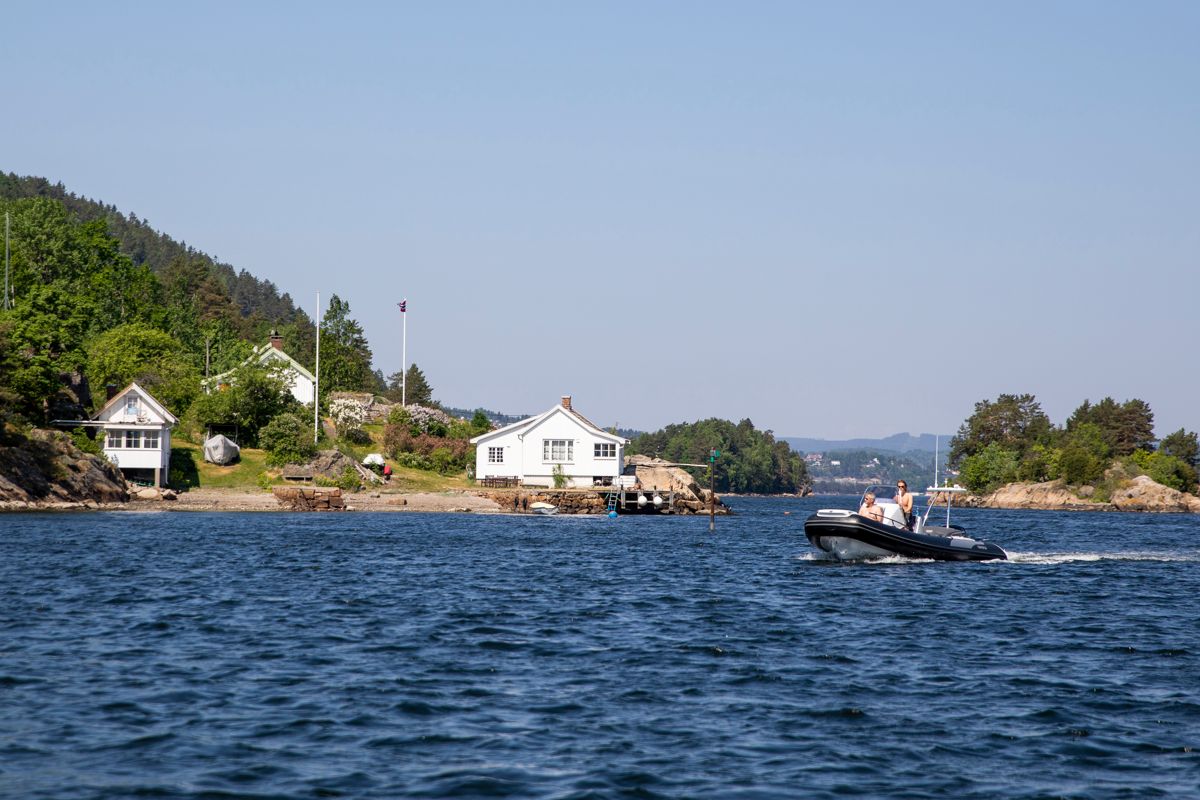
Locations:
347 413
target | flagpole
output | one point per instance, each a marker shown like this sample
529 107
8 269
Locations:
317 376
404 352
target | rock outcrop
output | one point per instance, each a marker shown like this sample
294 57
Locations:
46 470
1144 494
307 498
657 474
1136 494
332 464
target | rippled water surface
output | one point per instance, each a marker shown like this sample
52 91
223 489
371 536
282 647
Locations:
394 655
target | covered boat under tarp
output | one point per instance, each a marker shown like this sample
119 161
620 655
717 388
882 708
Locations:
221 450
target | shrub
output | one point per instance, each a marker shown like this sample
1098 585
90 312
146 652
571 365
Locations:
1170 471
348 481
183 473
287 440
1079 466
355 436
346 413
1037 464
990 468
414 461
86 443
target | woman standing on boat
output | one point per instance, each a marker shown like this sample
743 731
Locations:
904 499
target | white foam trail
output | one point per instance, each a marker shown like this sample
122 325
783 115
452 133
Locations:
1068 558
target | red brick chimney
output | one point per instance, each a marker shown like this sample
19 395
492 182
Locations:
566 398
276 340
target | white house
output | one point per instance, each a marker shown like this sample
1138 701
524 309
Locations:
532 449
300 380
137 434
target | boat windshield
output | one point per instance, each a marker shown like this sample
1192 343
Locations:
884 493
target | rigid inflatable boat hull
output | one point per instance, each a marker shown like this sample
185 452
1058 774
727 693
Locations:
849 537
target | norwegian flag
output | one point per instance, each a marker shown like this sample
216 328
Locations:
403 306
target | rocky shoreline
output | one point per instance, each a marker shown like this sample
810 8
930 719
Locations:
1138 494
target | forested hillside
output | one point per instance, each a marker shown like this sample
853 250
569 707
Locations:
254 298
751 461
86 308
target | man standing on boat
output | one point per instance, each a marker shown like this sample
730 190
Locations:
904 499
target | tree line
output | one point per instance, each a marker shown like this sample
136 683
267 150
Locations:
84 313
751 461
1012 439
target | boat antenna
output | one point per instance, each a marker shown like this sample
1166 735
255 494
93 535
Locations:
317 378
936 441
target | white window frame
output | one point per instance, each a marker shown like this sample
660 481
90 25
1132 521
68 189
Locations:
558 451
115 439
150 440
604 450
495 455
133 439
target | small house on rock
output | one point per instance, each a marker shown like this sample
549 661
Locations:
271 354
137 434
560 440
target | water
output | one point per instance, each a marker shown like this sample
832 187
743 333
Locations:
407 655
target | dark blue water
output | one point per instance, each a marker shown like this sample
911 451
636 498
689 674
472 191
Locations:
405 655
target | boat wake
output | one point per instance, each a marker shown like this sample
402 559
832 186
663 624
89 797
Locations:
1069 558
1019 558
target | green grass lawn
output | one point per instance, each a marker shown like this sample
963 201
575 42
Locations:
189 469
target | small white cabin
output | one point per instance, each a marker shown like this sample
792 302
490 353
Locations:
559 439
300 380
137 434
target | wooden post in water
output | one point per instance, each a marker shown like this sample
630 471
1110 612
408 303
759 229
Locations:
712 489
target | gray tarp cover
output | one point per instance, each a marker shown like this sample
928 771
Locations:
220 450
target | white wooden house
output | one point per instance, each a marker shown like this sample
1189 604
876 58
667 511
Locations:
300 380
137 434
561 438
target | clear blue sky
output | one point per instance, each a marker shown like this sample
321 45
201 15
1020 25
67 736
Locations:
836 219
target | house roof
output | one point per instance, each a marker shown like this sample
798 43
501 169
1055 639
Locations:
262 354
119 398
558 408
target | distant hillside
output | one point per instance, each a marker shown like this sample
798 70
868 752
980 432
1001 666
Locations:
897 443
144 245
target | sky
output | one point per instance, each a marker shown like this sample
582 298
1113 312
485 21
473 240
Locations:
834 219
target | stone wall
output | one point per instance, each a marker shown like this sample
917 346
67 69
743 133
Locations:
309 498
587 501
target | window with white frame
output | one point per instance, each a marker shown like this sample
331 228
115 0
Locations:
133 439
558 450
150 440
116 439
131 405
605 450
495 455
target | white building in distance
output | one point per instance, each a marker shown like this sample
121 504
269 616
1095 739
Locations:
300 380
137 434
559 439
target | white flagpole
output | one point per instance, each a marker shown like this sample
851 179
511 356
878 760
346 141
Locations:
404 352
317 376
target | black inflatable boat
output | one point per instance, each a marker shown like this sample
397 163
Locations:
848 536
